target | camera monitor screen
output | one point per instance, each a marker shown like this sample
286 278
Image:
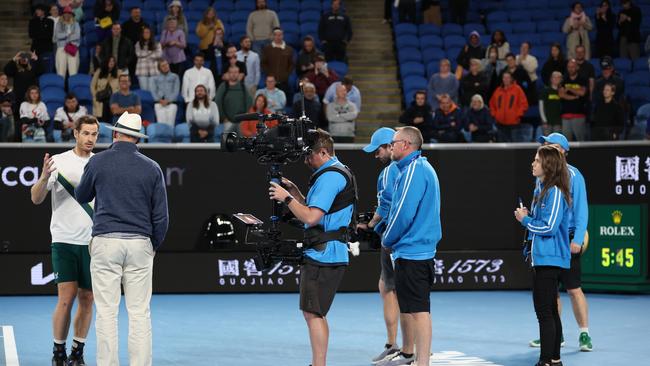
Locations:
248 219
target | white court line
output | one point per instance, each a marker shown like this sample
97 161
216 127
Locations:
11 353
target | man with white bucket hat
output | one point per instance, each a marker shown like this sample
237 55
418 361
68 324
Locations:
129 224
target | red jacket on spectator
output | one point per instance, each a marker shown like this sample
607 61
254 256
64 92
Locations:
508 105
321 82
249 128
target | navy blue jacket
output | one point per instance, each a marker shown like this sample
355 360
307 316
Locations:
129 192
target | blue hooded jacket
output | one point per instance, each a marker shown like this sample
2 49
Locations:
385 188
579 214
548 228
413 228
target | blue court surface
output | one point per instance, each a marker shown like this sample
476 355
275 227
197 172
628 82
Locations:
469 328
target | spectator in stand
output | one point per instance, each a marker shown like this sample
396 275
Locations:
119 47
206 30
133 27
354 95
6 121
447 121
25 69
521 77
230 59
321 76
501 44
6 92
148 52
173 45
203 116
124 100
252 62
106 13
431 12
102 87
459 9
605 24
473 83
306 57
335 32
573 93
67 34
41 32
528 62
554 63
607 122
232 98
312 105
276 100
249 128
65 117
609 76
34 119
341 115
419 115
166 87
277 60
478 122
629 30
54 14
441 83
577 27
585 68
261 26
507 105
175 11
472 50
550 105
406 10
198 75
492 67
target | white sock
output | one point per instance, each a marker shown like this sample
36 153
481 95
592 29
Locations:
59 341
584 330
79 339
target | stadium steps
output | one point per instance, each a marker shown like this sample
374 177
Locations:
14 23
373 67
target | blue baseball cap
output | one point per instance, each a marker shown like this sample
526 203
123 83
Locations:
382 136
555 138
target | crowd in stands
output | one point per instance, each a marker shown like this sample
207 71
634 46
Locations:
580 72
187 66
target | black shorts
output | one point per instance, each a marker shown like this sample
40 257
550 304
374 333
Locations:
387 271
413 281
318 285
571 278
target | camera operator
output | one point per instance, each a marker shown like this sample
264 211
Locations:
380 147
412 233
327 213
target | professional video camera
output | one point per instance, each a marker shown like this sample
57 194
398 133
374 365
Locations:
288 142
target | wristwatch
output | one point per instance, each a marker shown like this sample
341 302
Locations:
288 200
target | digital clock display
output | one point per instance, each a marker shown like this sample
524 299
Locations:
617 258
623 257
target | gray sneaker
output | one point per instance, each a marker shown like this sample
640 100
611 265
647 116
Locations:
388 353
399 360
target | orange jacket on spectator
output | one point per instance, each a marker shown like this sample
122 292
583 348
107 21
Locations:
508 105
249 128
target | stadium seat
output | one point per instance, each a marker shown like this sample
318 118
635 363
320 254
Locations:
146 101
430 41
290 5
288 16
471 27
623 65
222 6
409 54
409 96
555 37
105 133
239 16
341 68
292 39
160 133
198 5
309 28
194 15
428 29
523 27
452 29
290 27
497 17
405 28
549 26
516 4
432 68
309 5
83 94
454 41
641 64
407 40
638 78
411 69
542 15
504 27
52 94
154 6
452 54
272 4
414 83
182 132
432 54
51 80
309 16
52 106
519 15
246 5
237 30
